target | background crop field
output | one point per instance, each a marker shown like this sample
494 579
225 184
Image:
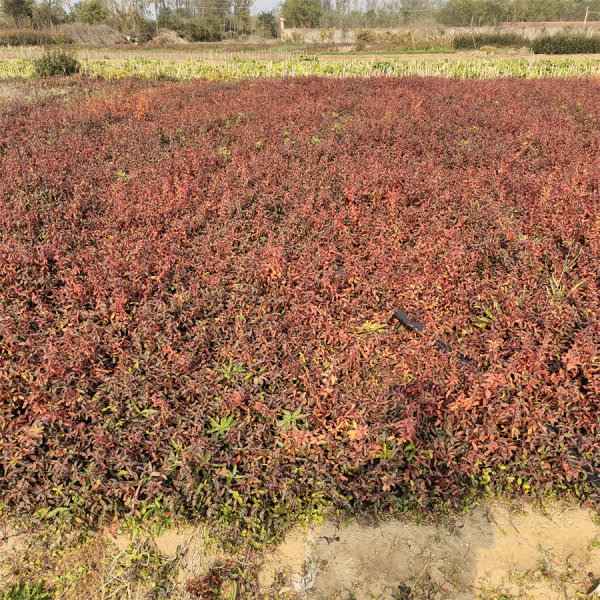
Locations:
197 282
211 64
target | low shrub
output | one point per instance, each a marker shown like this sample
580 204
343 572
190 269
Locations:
402 40
31 37
62 39
475 41
56 61
566 44
488 49
327 36
414 40
366 36
297 38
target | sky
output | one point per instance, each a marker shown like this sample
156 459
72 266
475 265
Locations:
264 5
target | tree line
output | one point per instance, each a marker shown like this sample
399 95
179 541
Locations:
197 20
211 20
390 13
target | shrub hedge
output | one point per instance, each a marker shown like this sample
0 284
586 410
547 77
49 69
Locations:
197 282
31 37
498 39
403 40
566 44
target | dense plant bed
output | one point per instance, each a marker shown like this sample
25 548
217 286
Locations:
197 282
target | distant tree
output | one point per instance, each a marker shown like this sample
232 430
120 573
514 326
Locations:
458 12
169 18
301 13
239 7
267 22
206 28
239 19
217 7
91 12
545 10
492 12
412 9
212 24
19 10
474 12
48 13
551 10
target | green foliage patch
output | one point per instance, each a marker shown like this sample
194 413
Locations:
56 61
27 591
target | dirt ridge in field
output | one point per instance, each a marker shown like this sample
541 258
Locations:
493 552
496 552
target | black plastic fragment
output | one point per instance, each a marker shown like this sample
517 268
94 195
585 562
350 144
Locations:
416 326
403 318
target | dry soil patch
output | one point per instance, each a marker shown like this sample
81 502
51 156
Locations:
493 553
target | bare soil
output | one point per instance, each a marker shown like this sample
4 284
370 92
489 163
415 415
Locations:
496 552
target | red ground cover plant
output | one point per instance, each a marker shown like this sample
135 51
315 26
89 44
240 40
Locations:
197 282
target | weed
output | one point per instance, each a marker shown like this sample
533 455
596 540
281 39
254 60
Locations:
27 591
224 153
231 372
222 426
290 418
